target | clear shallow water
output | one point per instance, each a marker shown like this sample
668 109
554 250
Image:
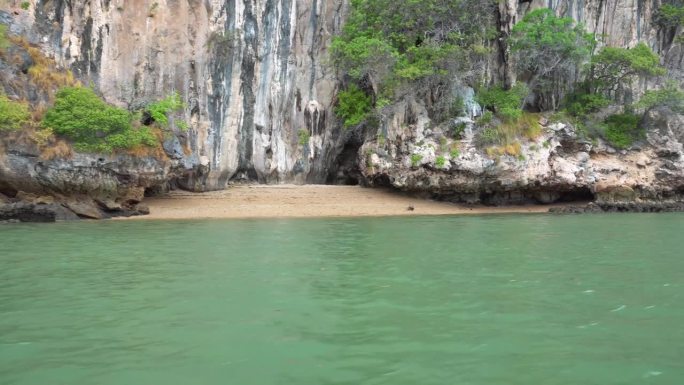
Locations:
416 301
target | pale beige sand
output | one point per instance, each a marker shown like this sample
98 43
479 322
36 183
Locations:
287 201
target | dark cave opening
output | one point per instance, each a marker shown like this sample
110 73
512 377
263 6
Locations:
8 190
536 196
580 194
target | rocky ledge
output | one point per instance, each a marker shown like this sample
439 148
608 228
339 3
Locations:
48 183
559 165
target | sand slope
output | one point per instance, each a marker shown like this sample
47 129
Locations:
288 201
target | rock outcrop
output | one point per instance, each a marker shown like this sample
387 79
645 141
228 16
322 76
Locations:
260 93
558 165
254 73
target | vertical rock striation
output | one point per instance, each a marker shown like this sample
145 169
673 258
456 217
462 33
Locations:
254 73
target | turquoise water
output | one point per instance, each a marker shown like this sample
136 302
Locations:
483 300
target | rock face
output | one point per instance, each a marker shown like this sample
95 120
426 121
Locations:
558 165
620 23
254 74
260 95
86 185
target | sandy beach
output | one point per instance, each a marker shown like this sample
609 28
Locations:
289 201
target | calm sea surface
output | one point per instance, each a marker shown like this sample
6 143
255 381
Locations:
489 300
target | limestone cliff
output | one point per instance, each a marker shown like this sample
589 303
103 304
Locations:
254 74
412 153
260 93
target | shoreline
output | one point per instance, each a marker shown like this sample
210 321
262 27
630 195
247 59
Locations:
310 201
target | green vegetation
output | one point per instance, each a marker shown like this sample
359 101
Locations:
457 130
507 104
353 106
550 50
455 153
13 115
25 5
579 104
614 68
486 118
671 96
415 159
80 115
388 45
622 130
440 161
161 110
304 136
4 42
526 126
670 15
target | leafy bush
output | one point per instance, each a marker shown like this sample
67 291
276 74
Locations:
364 55
622 130
415 159
159 111
353 106
455 153
670 96
13 115
551 49
457 130
507 104
25 5
80 115
486 118
580 104
489 136
615 67
304 136
670 16
392 44
440 161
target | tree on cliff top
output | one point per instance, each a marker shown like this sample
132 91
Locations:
550 51
614 68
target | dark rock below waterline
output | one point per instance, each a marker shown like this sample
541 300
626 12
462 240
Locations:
27 212
621 207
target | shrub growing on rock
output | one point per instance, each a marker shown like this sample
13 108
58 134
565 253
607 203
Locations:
13 115
671 96
670 15
506 104
622 130
352 106
160 110
81 116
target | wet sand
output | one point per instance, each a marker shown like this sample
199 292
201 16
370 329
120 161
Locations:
289 201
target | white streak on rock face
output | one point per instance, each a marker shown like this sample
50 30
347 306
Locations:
246 107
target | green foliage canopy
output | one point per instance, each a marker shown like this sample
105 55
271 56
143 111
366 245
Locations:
422 44
614 67
507 104
80 115
622 130
353 106
671 96
670 15
551 50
